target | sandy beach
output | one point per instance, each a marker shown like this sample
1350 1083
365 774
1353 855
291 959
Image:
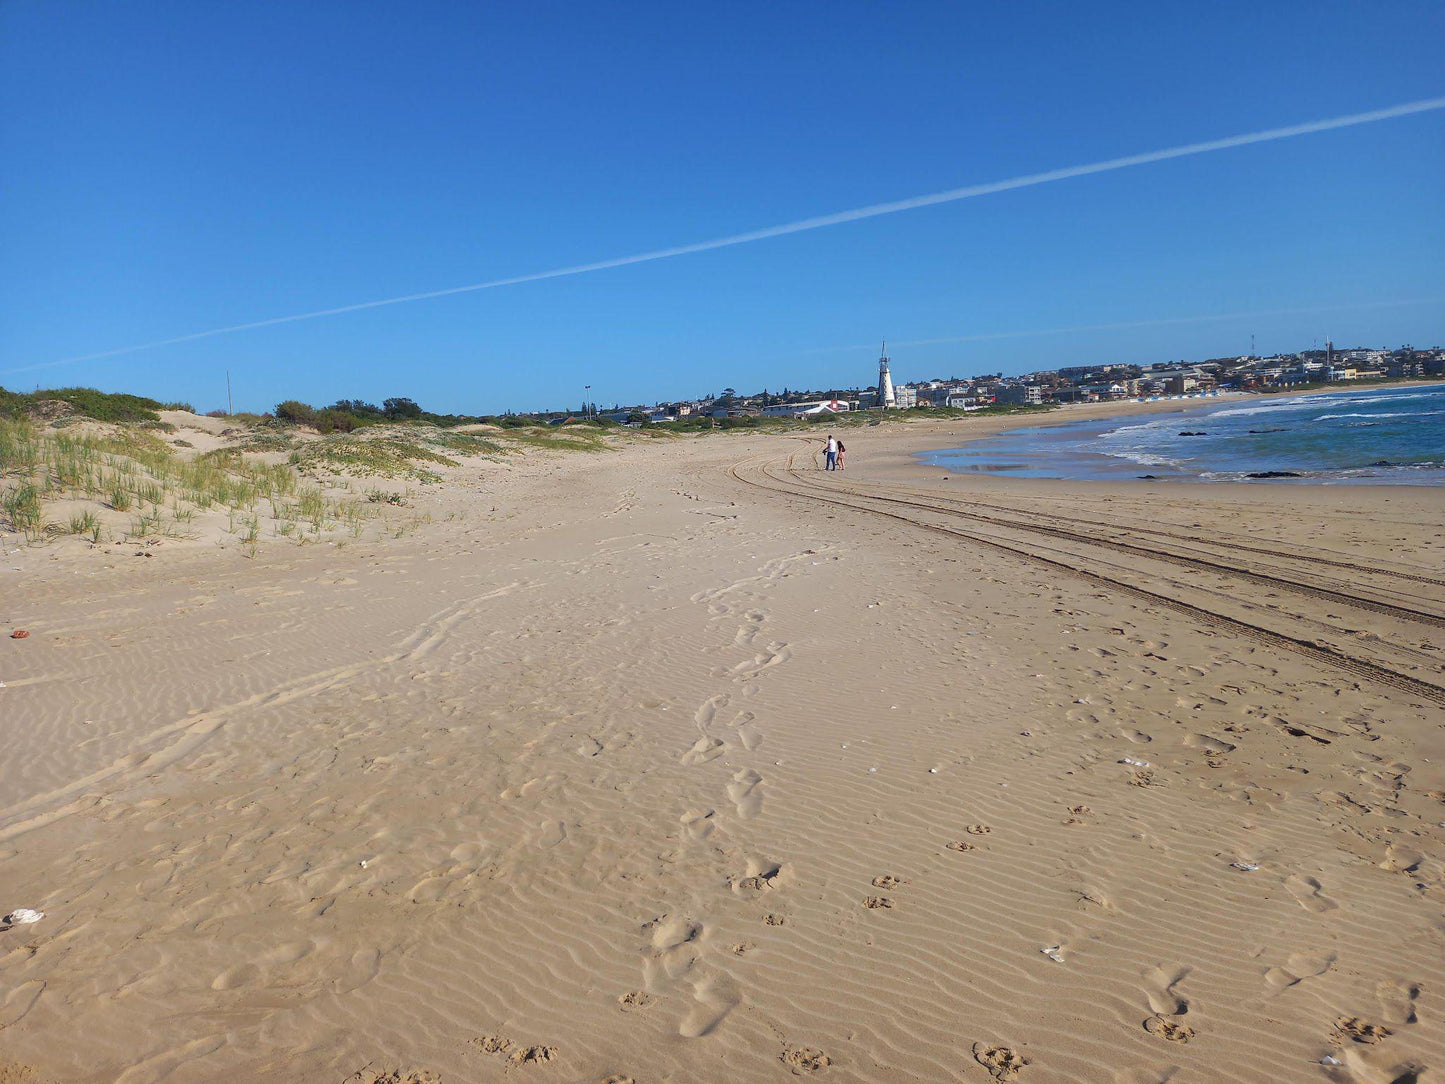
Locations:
688 761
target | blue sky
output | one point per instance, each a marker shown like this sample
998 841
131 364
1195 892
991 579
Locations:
173 167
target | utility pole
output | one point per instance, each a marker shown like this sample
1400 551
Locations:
230 410
586 394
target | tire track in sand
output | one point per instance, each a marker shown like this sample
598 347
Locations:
175 741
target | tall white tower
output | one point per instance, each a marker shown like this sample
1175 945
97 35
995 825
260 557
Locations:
886 399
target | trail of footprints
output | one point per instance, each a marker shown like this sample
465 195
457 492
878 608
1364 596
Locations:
676 946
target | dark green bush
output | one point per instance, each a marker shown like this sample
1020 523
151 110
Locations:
296 412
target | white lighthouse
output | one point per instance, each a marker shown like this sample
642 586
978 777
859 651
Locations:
886 399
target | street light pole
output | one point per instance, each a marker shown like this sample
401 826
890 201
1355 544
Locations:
586 394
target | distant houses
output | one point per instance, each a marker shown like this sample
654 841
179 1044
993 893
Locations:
1070 384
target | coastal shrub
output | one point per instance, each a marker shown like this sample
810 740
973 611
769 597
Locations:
100 405
295 412
331 420
401 410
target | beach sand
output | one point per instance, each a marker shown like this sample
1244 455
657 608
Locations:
690 762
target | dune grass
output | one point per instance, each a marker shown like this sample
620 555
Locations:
129 470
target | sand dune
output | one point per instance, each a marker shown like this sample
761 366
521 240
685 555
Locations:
687 762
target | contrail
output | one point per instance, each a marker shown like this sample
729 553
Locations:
952 195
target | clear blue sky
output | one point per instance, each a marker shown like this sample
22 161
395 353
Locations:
172 167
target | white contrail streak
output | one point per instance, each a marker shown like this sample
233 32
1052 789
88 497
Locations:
952 195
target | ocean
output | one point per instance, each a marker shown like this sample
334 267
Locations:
1392 435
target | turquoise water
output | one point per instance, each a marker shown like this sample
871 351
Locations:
1382 435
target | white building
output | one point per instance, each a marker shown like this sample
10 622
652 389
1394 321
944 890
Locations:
886 398
801 410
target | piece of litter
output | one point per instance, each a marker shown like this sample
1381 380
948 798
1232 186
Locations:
1135 763
1027 733
1330 1059
1248 867
19 634
932 771
1054 952
872 770
363 863
22 916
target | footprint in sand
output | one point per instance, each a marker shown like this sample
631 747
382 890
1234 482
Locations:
1159 983
704 715
1001 1062
744 792
469 853
887 880
394 1076
704 750
1138 737
551 833
715 998
804 1059
1298 968
1168 1029
960 845
532 1055
670 931
361 969
1209 744
1353 1029
699 823
235 977
1306 891
1401 859
634 1000
762 874
1397 1001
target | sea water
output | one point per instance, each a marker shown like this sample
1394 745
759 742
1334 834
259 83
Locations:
1378 435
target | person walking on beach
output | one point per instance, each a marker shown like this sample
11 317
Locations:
842 451
830 454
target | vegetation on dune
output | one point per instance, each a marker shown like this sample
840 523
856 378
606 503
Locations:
86 402
129 470
397 457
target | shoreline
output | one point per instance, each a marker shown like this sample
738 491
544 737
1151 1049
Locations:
969 432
